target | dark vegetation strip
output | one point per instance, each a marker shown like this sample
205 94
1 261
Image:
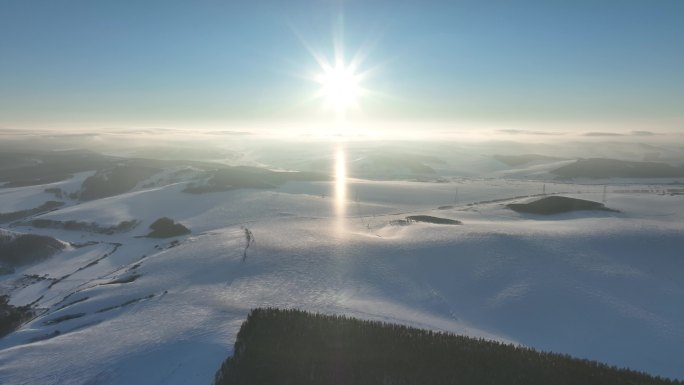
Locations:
12 317
91 264
249 241
73 303
44 208
46 336
58 333
63 318
431 219
36 301
131 302
81 288
81 245
127 279
424 219
294 347
85 226
58 280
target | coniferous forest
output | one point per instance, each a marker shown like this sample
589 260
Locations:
295 347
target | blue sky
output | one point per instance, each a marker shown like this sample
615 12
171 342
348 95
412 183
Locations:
100 63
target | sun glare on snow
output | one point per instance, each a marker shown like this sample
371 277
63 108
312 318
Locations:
340 197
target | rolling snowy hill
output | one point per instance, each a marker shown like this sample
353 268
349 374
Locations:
121 308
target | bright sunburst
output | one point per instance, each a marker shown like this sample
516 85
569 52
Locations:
339 86
339 80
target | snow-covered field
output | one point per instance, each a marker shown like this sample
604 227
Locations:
122 309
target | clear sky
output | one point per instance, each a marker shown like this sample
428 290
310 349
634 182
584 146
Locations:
140 62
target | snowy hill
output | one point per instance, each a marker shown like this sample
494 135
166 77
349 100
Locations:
118 308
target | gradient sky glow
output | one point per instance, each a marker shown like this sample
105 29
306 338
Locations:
100 63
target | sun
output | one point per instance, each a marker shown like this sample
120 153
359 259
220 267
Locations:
339 86
341 77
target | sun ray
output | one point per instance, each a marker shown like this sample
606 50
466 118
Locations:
340 75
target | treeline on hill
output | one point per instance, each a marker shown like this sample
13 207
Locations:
45 207
24 249
93 227
11 317
294 347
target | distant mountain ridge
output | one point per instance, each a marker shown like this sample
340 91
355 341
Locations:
518 160
614 168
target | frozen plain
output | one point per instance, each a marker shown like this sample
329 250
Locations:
603 286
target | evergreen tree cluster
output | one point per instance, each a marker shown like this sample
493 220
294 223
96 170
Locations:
25 249
11 317
166 228
295 347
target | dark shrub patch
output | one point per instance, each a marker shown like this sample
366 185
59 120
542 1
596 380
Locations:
556 205
63 318
11 317
166 228
431 219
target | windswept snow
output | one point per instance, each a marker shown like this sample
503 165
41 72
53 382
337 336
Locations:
118 309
